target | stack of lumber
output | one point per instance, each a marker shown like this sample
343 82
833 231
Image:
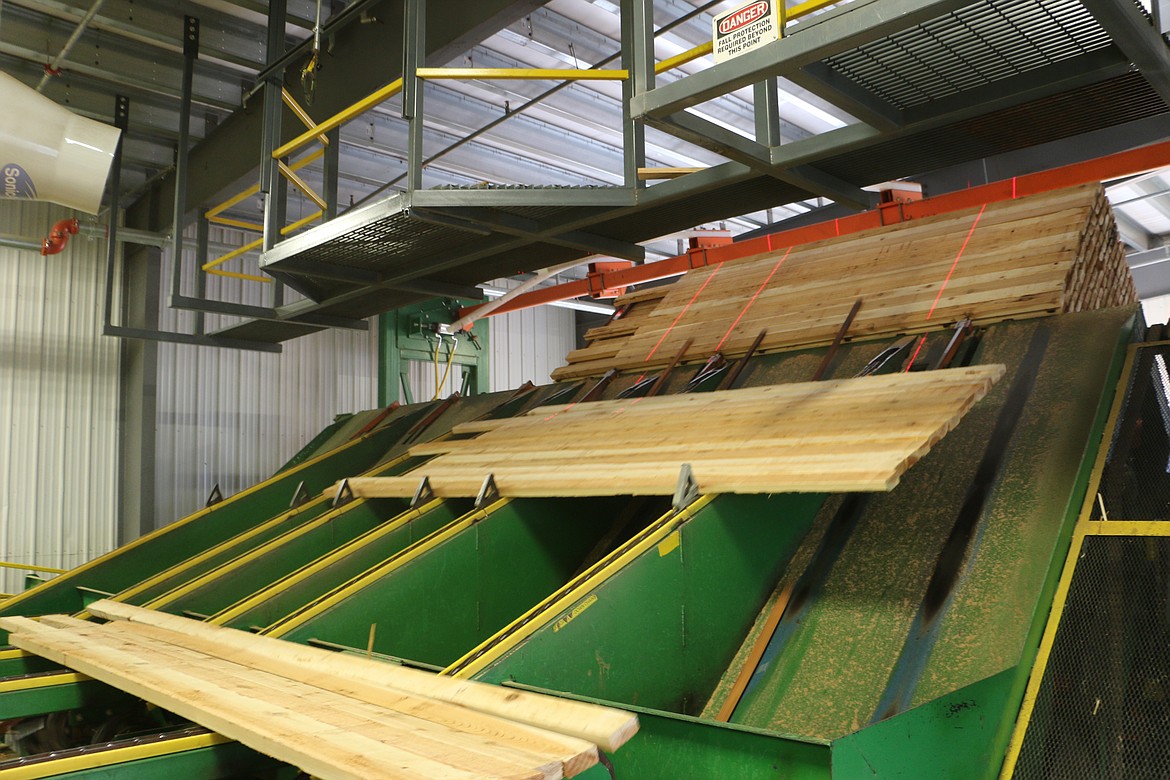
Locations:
1044 254
856 434
332 715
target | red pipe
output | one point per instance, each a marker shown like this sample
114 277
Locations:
1113 166
59 236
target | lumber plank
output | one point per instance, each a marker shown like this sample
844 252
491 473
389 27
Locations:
606 727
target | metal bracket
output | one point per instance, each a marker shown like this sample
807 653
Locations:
300 496
344 494
215 496
488 492
637 388
423 493
688 489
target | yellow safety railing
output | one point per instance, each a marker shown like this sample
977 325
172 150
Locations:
559 74
340 118
301 113
211 267
30 567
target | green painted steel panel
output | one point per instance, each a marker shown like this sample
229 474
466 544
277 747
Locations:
218 762
133 563
57 698
297 547
949 737
660 631
443 602
364 553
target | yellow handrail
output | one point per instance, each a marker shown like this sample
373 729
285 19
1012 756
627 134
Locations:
30 567
248 247
560 74
254 227
340 118
702 50
235 275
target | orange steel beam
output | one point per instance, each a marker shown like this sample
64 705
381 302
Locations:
1113 166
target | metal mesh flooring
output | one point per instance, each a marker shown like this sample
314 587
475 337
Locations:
977 45
1135 484
1103 707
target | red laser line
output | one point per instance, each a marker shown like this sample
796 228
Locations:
955 264
921 341
694 298
759 290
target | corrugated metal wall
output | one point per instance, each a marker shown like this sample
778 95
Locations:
233 417
528 344
58 400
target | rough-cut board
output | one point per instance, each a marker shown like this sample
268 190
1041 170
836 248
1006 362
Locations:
1044 254
311 708
847 435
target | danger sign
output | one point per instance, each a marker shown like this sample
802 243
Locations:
745 28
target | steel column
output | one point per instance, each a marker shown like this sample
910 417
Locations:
637 18
413 54
190 54
270 133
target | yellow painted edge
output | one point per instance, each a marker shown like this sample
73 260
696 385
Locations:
194 516
562 74
507 638
14 653
1028 705
187 563
292 578
60 766
232 565
336 596
1127 528
46 681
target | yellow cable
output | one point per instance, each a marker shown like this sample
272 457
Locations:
436 395
450 357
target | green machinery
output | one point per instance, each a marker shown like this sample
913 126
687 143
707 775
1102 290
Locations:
912 619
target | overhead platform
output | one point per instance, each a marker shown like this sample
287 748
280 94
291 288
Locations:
933 83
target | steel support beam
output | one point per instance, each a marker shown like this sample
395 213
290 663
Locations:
847 95
510 224
846 28
414 35
190 54
1138 38
753 154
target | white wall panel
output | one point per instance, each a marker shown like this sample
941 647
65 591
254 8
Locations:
234 417
528 344
58 399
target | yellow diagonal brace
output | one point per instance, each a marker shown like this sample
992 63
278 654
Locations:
301 113
302 185
227 204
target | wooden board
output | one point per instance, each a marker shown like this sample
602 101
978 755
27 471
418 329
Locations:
1050 253
847 435
295 707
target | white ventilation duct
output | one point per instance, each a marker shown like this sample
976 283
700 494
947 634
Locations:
49 153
